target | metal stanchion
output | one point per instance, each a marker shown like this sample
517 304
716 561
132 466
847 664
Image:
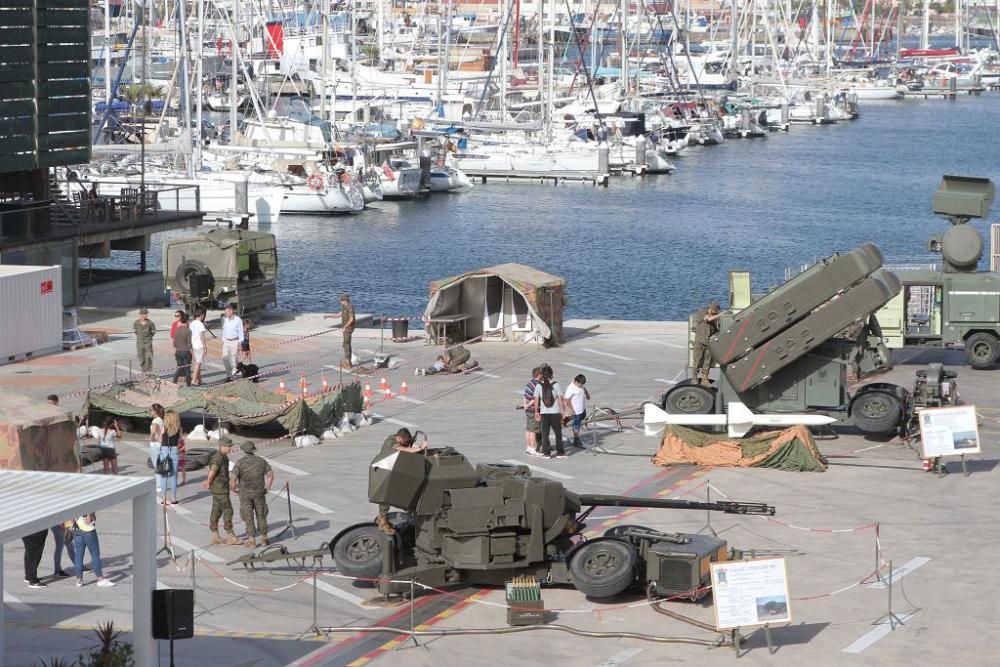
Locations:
166 536
893 619
708 513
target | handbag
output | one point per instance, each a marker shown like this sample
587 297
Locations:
164 466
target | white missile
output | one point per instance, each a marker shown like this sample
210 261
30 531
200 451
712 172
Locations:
738 418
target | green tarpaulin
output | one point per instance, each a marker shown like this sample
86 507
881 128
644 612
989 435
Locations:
240 403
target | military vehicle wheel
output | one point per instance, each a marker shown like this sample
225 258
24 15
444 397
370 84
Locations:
690 399
187 270
359 552
876 412
982 350
603 568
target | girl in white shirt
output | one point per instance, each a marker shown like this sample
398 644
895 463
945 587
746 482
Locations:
109 452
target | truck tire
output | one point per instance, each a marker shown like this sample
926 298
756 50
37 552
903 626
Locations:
982 350
358 553
876 412
690 399
188 269
603 568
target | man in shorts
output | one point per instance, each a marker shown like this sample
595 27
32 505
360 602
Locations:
577 397
532 427
198 333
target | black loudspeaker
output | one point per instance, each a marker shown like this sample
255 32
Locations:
173 614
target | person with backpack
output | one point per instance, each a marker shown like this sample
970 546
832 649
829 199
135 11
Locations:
549 409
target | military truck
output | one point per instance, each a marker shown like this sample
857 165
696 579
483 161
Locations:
955 306
223 266
487 524
798 348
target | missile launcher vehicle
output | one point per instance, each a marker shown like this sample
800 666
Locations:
797 350
485 525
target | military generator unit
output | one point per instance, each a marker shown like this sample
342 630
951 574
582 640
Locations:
223 266
460 524
797 350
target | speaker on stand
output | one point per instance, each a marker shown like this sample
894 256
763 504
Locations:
173 615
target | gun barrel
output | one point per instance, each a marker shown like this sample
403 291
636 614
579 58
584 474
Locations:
727 506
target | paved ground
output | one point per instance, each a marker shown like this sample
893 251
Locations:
942 532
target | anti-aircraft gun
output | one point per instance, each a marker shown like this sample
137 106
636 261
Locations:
487 524
957 306
790 350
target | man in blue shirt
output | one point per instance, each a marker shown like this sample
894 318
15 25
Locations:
232 336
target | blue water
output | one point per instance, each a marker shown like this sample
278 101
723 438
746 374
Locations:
660 246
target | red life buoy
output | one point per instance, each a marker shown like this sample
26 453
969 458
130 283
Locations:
315 182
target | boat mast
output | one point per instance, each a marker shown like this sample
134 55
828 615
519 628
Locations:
185 87
198 77
550 103
108 43
925 33
233 69
325 71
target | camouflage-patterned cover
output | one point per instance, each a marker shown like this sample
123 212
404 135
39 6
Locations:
242 403
36 436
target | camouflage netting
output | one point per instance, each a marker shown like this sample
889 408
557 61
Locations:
36 436
790 449
240 403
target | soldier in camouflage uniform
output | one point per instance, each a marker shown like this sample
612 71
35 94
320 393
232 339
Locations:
144 332
252 479
706 326
218 484
400 441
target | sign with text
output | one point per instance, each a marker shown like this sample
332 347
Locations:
750 592
949 431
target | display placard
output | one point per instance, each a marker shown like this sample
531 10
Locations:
949 431
750 592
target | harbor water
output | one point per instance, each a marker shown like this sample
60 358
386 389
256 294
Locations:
658 247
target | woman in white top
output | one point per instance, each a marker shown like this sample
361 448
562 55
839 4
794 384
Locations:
155 433
109 452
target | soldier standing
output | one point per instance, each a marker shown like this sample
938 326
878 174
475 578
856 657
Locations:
347 318
218 484
706 326
144 332
252 479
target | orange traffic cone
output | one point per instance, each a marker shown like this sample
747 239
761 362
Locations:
326 385
368 390
383 385
403 389
281 386
365 405
302 384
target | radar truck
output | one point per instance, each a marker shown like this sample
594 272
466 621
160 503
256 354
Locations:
797 349
223 266
955 306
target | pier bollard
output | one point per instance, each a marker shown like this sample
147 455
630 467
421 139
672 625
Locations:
640 155
603 164
784 116
953 87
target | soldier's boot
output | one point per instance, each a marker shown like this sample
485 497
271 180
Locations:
232 539
251 542
384 525
215 538
263 539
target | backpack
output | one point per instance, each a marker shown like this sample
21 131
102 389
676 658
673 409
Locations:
548 397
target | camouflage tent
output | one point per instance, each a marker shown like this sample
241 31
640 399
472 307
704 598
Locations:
241 403
791 449
513 301
36 436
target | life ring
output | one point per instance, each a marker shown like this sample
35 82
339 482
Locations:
315 182
387 170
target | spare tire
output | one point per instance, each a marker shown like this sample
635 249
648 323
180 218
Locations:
187 270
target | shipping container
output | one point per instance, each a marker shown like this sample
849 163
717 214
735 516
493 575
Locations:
31 303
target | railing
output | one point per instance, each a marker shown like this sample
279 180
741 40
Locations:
127 200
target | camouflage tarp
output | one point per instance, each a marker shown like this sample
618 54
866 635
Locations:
789 449
241 403
36 436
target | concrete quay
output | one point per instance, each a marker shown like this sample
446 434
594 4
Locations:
940 534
